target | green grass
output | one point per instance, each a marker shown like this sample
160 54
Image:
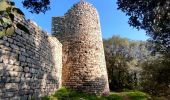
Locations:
66 94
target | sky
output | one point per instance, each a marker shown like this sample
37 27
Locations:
113 21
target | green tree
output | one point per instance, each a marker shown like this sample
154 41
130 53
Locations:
122 58
152 16
155 76
36 6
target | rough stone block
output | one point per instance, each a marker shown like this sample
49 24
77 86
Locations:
14 46
26 69
22 58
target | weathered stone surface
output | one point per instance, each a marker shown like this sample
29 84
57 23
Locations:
22 58
84 67
26 60
31 63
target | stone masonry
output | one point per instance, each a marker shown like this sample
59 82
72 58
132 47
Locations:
84 67
30 63
34 64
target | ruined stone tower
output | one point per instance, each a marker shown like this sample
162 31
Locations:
84 67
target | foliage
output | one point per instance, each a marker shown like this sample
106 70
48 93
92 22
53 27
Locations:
37 6
130 65
122 60
6 27
155 74
7 13
152 16
66 94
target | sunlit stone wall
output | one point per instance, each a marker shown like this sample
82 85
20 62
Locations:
30 63
84 66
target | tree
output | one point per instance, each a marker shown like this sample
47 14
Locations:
122 61
36 6
152 16
155 74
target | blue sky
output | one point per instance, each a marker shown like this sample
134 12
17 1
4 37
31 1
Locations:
113 21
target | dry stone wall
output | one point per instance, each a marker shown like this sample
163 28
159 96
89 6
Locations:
30 63
84 67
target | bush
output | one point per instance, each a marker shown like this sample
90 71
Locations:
155 77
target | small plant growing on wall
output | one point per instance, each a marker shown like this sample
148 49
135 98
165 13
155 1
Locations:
7 14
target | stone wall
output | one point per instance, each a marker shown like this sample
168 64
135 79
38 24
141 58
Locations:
84 67
30 63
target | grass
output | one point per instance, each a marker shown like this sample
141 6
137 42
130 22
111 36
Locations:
65 94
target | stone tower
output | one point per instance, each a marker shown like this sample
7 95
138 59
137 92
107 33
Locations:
84 67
